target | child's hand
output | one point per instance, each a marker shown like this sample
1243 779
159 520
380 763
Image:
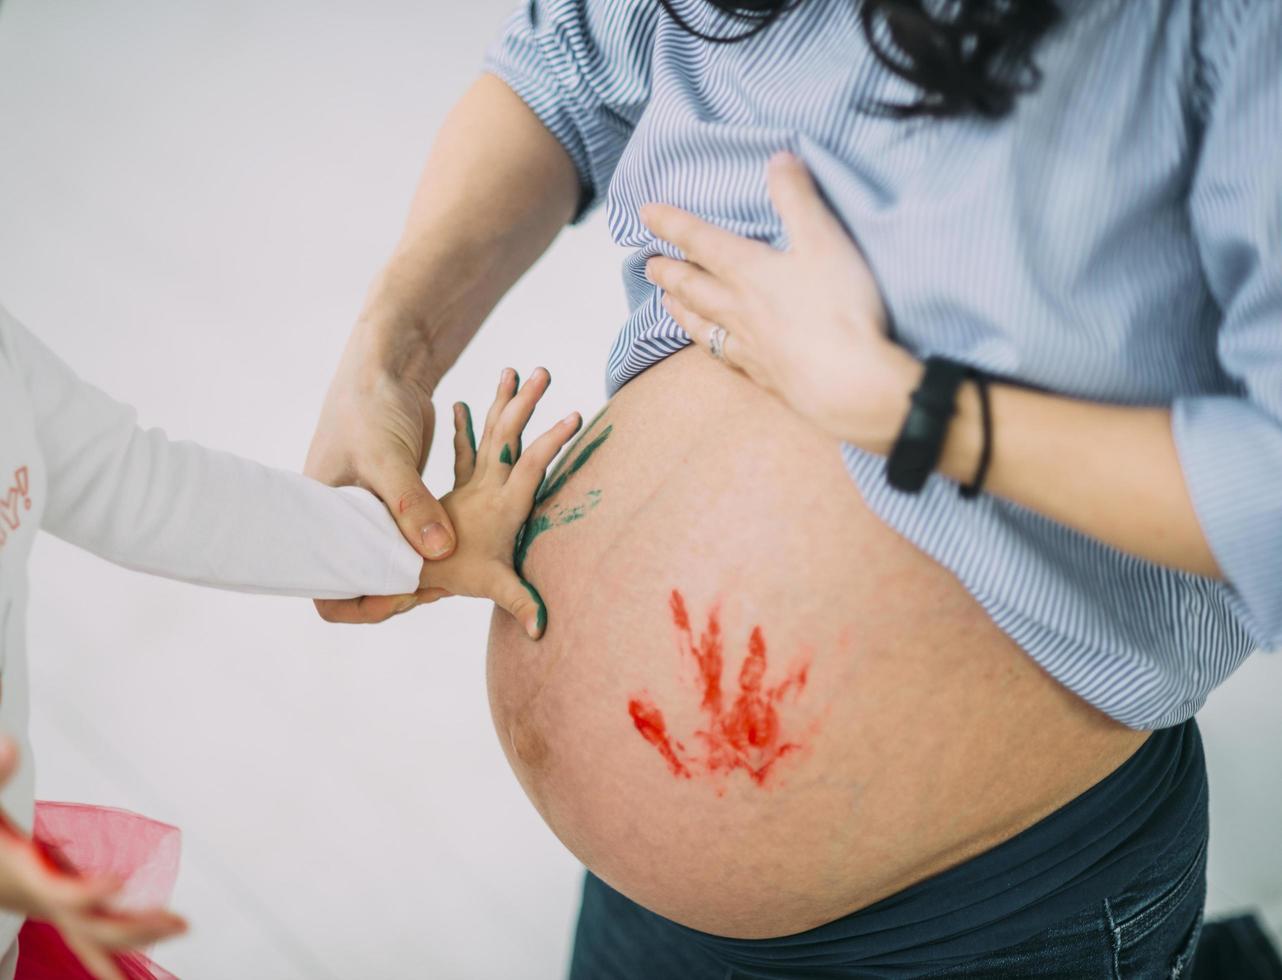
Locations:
494 486
37 883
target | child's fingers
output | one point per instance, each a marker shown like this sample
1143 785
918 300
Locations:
528 472
464 445
508 381
98 962
525 604
57 894
516 416
133 930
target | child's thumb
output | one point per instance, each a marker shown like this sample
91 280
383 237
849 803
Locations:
523 601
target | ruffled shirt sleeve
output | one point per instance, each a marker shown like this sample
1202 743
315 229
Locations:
583 67
1230 446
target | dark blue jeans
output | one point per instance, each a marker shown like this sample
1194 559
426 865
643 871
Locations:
1111 887
1147 932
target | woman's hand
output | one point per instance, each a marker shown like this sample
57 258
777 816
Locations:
494 487
807 324
36 884
375 431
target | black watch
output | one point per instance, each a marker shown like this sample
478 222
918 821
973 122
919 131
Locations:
921 440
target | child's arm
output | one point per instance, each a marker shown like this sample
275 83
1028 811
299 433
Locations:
177 509
180 510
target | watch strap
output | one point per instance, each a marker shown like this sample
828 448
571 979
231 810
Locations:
921 439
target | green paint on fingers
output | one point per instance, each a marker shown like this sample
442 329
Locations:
541 618
471 433
505 456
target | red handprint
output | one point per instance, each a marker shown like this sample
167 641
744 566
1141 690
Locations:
746 735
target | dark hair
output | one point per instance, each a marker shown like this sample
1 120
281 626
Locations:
972 57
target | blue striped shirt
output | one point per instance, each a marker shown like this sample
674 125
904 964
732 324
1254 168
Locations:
1117 238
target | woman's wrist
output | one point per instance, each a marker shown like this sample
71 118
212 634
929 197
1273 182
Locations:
874 420
964 442
875 412
400 353
392 340
428 302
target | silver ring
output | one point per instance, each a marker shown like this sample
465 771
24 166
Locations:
717 342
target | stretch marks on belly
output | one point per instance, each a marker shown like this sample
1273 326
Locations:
745 734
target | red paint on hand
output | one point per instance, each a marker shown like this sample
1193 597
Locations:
746 736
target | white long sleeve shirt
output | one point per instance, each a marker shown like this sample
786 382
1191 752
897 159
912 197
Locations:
74 462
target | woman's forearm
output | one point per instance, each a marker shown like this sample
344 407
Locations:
1109 471
496 189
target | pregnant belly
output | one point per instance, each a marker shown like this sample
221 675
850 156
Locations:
756 708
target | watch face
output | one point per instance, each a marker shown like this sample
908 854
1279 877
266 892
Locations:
921 429
910 464
921 440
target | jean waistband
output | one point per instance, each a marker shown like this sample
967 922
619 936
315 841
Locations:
1090 848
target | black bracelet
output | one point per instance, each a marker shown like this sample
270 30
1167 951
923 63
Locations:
970 491
921 440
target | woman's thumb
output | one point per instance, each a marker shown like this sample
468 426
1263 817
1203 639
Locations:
419 515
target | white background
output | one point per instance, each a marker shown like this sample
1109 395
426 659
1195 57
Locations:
193 198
